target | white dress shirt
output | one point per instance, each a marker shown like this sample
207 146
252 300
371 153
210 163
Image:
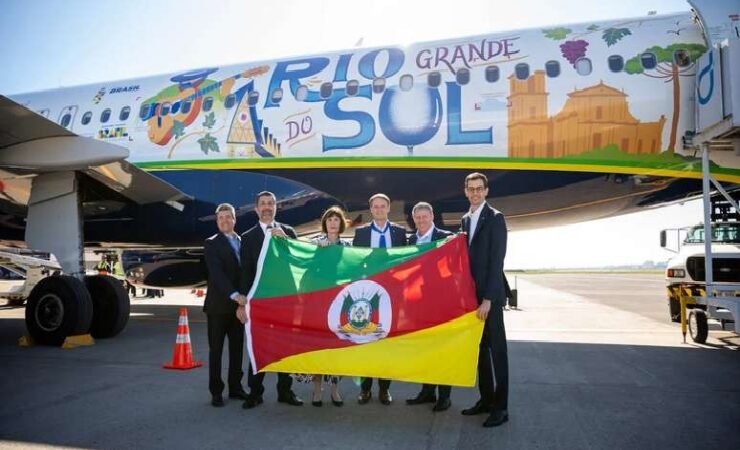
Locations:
375 236
474 216
427 236
265 225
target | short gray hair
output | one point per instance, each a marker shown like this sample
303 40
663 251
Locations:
422 205
226 207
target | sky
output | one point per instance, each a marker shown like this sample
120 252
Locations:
50 44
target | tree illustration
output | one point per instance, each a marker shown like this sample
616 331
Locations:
669 70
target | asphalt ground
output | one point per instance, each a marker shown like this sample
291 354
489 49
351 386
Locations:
594 363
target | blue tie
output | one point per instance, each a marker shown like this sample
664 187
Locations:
381 242
235 244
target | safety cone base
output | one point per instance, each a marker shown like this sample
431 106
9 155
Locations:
194 365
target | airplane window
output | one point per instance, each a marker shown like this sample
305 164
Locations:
616 63
353 87
681 57
144 112
326 90
253 98
301 94
105 115
648 60
207 104
43 112
378 85
583 66
492 74
229 101
165 108
552 68
522 71
434 79
66 119
175 108
277 95
86 118
406 83
462 77
125 112
185 106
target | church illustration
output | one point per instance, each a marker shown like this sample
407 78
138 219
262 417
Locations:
591 118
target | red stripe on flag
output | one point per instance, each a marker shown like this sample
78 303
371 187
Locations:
427 291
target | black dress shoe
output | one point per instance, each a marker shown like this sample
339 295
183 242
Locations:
422 397
239 394
496 418
339 402
252 401
385 397
364 397
476 409
217 401
315 402
290 398
442 405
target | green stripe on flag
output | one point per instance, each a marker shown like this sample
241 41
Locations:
291 266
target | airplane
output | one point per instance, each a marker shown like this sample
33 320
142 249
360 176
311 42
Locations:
570 123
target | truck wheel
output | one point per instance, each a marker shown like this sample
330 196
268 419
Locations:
674 309
698 327
59 306
111 305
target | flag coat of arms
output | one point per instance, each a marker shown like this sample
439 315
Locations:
405 313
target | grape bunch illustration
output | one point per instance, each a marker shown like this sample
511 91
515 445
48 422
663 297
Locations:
572 50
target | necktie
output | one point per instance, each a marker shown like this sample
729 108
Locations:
381 242
234 241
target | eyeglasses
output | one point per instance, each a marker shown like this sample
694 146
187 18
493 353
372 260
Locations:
475 190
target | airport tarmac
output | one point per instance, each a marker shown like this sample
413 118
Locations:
594 363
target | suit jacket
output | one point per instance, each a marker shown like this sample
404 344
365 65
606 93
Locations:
252 240
437 234
222 267
362 236
487 252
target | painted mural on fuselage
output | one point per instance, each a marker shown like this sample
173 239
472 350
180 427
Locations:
234 115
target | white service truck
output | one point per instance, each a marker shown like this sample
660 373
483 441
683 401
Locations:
685 274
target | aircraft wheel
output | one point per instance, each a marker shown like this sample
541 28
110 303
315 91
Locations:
111 305
59 306
698 327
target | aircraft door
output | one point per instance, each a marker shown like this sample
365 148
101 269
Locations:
67 116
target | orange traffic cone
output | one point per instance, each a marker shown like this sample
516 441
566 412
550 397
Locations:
182 358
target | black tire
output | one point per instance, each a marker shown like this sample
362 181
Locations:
58 306
698 327
111 305
674 309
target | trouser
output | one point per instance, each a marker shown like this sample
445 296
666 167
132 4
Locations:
444 391
367 384
219 327
493 362
256 383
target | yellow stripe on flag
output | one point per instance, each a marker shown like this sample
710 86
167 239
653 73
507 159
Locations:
444 354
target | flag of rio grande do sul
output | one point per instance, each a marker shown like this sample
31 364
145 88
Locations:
405 313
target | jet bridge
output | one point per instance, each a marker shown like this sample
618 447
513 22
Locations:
717 119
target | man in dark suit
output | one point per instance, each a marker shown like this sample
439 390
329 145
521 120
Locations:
252 240
486 230
426 232
222 263
380 233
